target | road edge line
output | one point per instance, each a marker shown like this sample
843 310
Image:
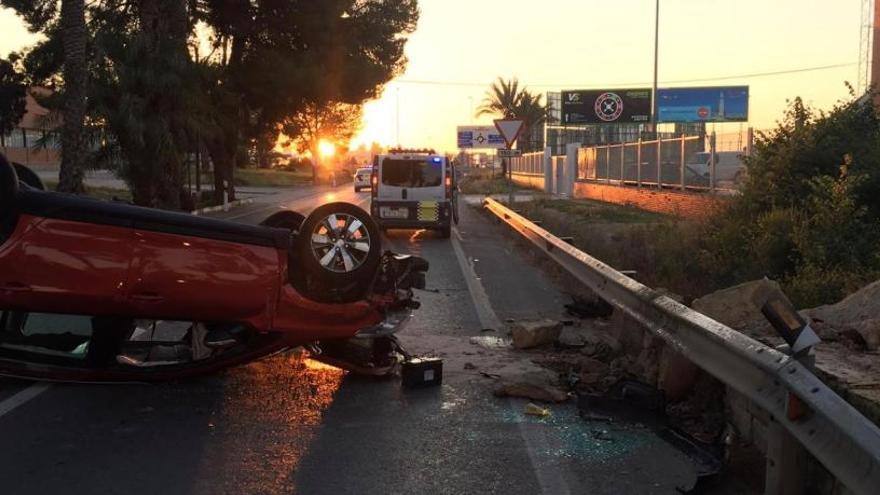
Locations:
22 397
551 483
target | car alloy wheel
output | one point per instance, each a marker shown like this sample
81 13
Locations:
341 243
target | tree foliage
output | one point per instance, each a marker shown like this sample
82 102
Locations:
155 96
279 56
12 95
809 213
332 121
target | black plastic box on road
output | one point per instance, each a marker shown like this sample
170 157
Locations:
422 372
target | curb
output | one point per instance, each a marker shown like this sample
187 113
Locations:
213 209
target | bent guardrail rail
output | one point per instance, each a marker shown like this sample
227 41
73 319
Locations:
834 432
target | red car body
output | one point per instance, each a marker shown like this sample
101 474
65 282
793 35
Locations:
64 254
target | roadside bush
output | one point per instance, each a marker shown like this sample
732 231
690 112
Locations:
809 213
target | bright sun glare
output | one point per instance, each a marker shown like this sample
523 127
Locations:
326 148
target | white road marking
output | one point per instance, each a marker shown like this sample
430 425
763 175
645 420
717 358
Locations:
485 313
22 397
551 479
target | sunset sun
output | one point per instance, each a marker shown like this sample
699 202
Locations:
326 148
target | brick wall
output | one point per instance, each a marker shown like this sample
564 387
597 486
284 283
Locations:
529 180
688 205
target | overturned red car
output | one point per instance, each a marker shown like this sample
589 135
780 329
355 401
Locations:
93 290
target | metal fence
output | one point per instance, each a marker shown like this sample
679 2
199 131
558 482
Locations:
528 163
686 162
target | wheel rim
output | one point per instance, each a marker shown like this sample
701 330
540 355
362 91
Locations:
341 243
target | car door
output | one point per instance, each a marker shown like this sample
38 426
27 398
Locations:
200 279
61 266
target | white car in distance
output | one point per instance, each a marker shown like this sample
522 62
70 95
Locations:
362 179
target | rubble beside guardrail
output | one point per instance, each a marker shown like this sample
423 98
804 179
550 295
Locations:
834 432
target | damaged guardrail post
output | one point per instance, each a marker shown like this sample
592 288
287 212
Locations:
804 408
785 470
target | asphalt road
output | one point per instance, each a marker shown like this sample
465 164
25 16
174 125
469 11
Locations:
289 425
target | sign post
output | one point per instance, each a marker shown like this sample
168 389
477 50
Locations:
510 130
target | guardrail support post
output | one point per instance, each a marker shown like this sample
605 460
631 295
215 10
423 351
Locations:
639 164
683 160
786 462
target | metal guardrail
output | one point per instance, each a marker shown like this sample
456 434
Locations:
843 440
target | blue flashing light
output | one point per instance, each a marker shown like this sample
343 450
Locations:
437 159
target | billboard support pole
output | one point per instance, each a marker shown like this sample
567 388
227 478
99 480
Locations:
750 141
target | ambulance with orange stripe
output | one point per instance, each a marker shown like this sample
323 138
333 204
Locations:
414 189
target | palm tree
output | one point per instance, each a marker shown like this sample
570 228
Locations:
501 98
73 142
510 101
535 114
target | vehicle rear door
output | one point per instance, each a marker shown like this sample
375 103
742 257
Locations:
415 178
414 186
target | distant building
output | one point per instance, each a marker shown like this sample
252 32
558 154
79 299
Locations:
30 142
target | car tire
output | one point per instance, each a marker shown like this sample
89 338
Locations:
339 261
29 177
292 221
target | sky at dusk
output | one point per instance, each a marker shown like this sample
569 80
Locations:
461 46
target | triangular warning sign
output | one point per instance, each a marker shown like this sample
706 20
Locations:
509 130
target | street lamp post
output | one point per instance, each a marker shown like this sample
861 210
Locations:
656 62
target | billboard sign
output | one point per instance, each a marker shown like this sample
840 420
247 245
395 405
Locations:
620 106
480 137
719 104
